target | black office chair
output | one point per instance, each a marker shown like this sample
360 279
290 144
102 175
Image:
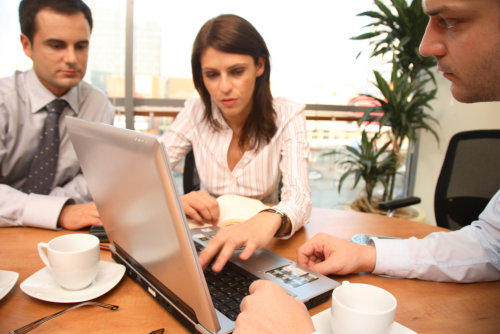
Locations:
469 177
190 178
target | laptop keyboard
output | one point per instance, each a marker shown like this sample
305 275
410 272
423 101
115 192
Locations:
228 287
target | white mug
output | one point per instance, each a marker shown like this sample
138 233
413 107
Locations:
362 308
73 259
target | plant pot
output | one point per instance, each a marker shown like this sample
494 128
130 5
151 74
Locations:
360 204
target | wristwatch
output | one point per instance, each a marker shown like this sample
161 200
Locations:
284 221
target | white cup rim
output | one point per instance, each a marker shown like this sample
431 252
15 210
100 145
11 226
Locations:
94 241
387 293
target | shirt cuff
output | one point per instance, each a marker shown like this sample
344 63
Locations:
393 257
43 211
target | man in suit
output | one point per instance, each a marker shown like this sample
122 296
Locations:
48 193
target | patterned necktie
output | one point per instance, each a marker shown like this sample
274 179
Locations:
44 165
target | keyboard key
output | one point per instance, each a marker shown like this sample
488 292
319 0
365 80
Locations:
228 288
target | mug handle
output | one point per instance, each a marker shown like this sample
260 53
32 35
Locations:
41 252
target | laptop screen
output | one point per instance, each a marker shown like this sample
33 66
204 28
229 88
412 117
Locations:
132 185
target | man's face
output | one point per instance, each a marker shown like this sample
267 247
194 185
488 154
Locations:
59 49
464 37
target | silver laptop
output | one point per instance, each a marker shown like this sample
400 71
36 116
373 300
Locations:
131 181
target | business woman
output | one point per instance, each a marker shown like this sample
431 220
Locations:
244 140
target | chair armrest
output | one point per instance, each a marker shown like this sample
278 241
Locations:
398 203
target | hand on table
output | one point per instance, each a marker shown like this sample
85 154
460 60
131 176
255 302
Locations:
269 309
327 254
254 233
201 207
77 216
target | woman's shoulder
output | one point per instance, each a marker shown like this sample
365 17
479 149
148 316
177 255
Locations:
284 104
194 103
193 109
286 108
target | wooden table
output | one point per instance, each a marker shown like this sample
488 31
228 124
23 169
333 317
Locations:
425 307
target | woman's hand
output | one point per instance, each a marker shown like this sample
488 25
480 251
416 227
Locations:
253 234
201 207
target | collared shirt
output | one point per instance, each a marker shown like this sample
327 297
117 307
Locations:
257 174
471 254
22 115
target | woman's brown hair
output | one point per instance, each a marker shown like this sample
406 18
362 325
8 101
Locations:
233 34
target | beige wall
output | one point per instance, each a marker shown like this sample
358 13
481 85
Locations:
453 117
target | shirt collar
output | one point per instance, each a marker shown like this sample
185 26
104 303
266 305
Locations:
217 115
40 96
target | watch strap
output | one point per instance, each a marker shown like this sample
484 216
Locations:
284 221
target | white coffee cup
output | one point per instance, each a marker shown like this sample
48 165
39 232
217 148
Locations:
73 259
362 308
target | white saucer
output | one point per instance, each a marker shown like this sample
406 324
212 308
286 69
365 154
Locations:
42 286
7 281
321 322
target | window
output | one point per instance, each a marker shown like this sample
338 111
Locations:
313 61
106 68
13 57
312 58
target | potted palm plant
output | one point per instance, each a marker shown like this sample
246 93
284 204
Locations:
397 29
404 105
369 163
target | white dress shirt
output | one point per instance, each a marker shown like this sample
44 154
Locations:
22 99
471 254
257 174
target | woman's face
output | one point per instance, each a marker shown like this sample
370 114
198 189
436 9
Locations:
230 81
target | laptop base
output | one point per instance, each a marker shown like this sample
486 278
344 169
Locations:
157 296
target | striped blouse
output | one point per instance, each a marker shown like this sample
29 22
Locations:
257 174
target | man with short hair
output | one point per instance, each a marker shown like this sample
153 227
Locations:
48 193
464 37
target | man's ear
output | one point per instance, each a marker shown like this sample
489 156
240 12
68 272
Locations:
260 66
26 43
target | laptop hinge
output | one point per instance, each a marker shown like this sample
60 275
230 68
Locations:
202 329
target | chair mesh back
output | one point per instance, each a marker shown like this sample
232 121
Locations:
470 176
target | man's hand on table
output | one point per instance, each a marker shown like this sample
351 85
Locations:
77 216
327 254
